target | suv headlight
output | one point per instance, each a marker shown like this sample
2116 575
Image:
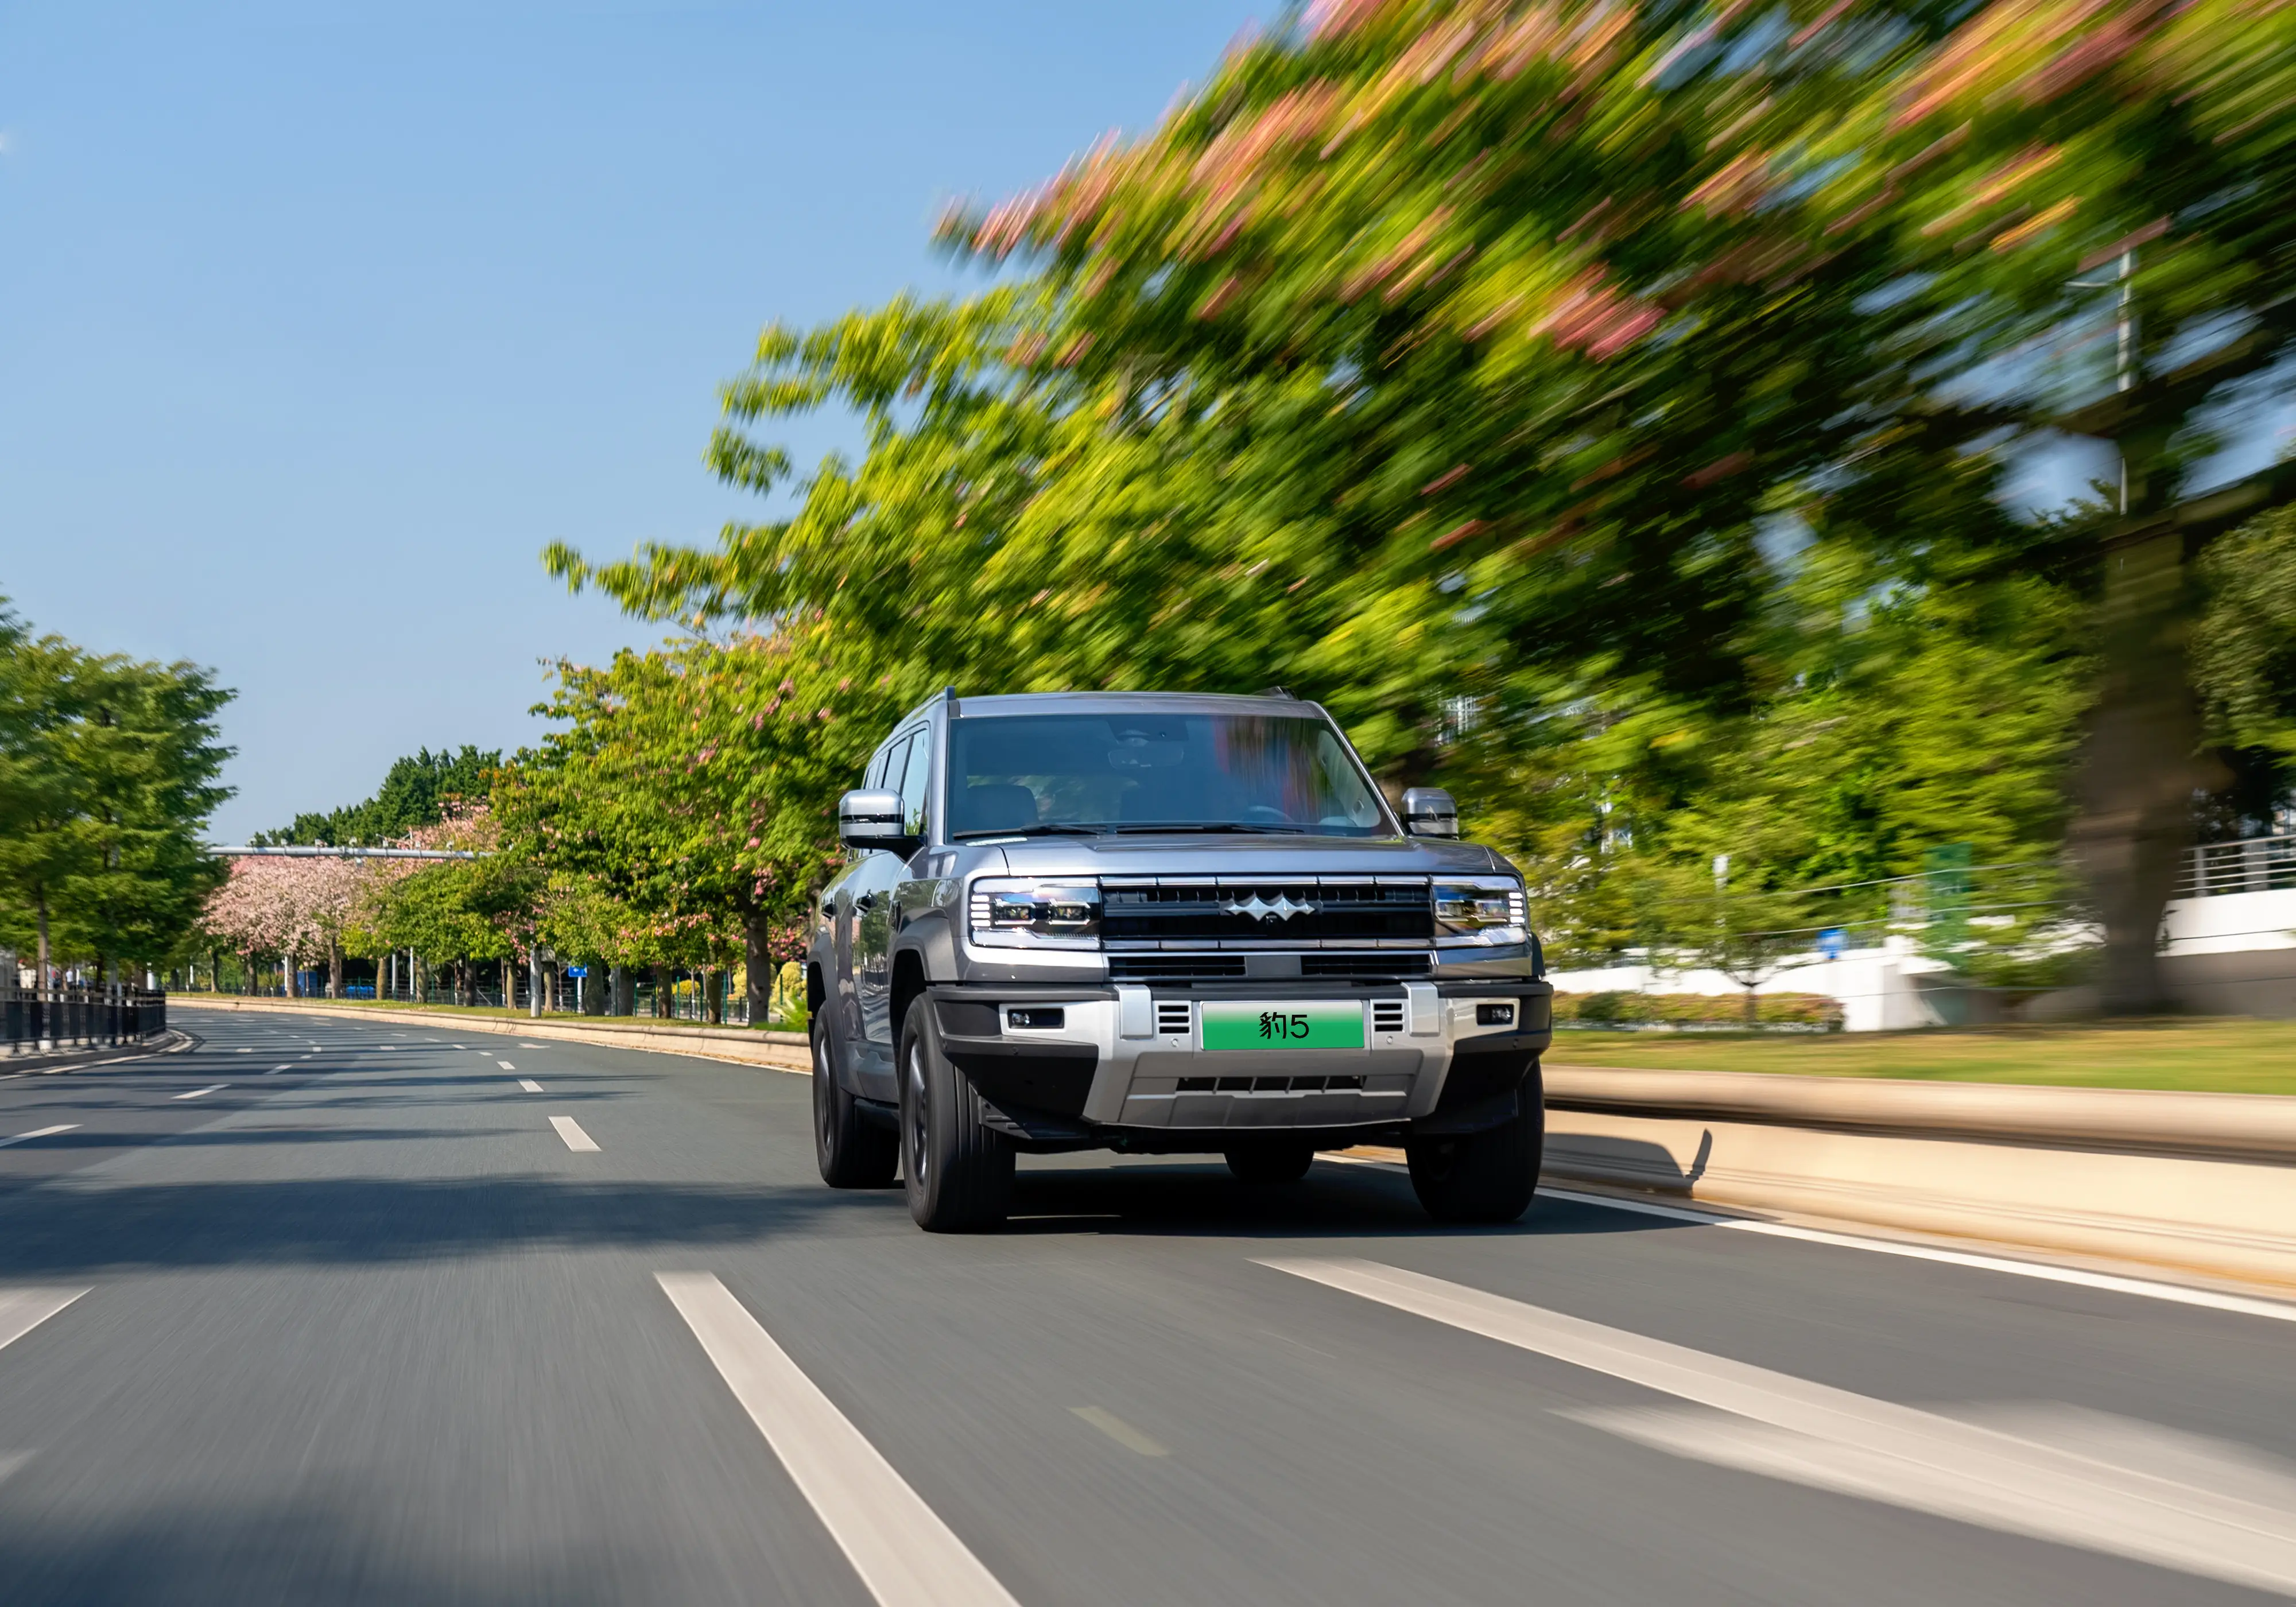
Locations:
1486 911
1020 911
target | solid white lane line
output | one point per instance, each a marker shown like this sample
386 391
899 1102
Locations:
571 1132
904 1555
505 1065
21 1310
1814 1434
2280 1311
68 1127
530 1085
1122 1432
2176 1293
196 1093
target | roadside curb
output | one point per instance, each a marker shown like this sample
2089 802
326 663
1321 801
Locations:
174 1041
2134 1121
775 1051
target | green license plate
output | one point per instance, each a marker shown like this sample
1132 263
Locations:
1333 1024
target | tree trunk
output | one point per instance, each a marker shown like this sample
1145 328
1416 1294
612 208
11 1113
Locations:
42 908
1753 1009
758 966
2141 768
661 1004
334 969
713 995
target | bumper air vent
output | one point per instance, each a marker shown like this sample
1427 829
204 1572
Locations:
1172 1016
1271 1085
1392 966
1173 967
1388 1015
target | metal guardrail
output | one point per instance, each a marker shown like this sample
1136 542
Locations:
2254 864
40 1020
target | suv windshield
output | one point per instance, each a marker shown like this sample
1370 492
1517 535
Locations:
1012 773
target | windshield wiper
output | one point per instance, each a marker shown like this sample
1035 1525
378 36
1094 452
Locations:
1049 828
1201 825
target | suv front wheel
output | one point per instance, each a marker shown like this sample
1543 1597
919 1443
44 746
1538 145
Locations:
1486 1177
957 1169
853 1152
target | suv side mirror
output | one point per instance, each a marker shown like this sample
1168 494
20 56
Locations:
870 817
1429 812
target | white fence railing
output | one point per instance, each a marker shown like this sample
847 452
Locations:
2255 865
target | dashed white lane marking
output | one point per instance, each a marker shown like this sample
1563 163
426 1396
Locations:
211 1088
282 1066
10 1461
530 1045
571 1130
1119 1431
505 1065
904 1555
530 1085
246 1050
21 1310
1830 1439
68 1127
2278 1310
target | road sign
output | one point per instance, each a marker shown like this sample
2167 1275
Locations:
578 970
1832 941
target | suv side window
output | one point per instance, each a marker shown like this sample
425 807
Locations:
884 769
916 779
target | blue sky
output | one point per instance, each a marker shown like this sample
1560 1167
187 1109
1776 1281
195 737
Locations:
318 320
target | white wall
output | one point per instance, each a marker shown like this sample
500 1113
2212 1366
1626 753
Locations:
1876 986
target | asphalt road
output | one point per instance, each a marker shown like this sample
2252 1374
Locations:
332 1311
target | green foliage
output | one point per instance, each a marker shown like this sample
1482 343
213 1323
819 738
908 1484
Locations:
1465 365
415 791
687 810
1619 1008
108 774
2245 661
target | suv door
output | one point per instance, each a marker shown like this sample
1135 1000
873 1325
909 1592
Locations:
909 767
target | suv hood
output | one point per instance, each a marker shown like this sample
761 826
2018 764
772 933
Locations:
1191 854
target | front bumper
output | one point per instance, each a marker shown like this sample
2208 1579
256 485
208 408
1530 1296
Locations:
1126 1068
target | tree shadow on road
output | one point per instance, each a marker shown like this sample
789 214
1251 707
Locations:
52 1231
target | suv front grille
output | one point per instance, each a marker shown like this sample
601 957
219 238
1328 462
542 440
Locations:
1290 910
1172 1016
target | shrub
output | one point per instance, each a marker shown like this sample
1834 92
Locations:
1615 1008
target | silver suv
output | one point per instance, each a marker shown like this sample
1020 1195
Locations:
1163 924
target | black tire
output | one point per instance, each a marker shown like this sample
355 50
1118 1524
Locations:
1271 1162
1486 1177
853 1152
957 1169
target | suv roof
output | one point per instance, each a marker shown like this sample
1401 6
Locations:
1117 703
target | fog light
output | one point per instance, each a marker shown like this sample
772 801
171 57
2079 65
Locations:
1038 1018
1495 1015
